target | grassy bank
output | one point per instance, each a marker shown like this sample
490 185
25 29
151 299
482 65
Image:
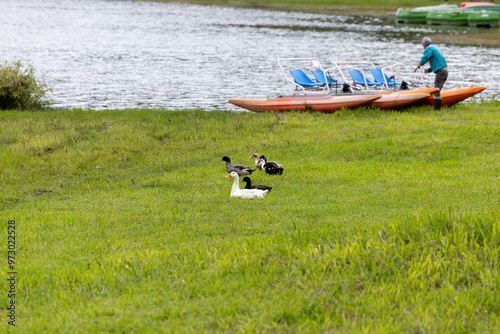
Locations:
381 222
377 7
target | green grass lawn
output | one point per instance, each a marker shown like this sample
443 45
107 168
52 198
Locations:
381 222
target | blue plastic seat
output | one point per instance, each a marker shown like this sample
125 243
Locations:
379 76
320 77
303 80
359 78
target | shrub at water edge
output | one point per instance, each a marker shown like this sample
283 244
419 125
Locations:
20 88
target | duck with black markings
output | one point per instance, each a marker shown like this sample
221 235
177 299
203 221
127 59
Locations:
244 193
271 167
249 185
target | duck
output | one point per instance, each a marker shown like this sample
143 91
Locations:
262 158
271 167
240 169
244 193
258 161
248 182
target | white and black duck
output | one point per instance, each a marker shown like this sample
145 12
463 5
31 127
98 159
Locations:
239 169
271 167
244 193
249 185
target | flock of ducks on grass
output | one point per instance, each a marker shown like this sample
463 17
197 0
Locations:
251 191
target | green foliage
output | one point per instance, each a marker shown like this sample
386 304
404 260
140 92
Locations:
20 88
383 222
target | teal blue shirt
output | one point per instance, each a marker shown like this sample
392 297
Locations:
433 55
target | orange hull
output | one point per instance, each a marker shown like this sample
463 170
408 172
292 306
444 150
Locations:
429 91
398 101
326 104
450 97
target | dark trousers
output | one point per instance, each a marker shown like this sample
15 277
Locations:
441 77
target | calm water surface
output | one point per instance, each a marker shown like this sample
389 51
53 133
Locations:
100 54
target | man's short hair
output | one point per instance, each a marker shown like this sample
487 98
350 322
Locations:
426 41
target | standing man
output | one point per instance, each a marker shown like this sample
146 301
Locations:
433 55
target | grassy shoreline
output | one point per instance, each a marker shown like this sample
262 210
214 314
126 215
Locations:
367 7
382 221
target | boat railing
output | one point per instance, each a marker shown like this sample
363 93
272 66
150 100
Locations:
385 74
335 83
415 79
410 78
441 8
315 64
354 66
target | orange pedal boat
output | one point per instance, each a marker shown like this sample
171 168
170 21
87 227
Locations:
325 104
398 101
429 91
450 97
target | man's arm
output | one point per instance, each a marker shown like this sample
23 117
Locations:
425 58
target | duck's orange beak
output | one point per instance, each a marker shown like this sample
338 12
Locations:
228 176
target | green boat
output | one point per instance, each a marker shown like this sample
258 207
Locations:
492 8
447 18
406 15
483 19
419 14
444 14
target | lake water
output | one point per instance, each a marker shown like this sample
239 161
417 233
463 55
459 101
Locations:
100 54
